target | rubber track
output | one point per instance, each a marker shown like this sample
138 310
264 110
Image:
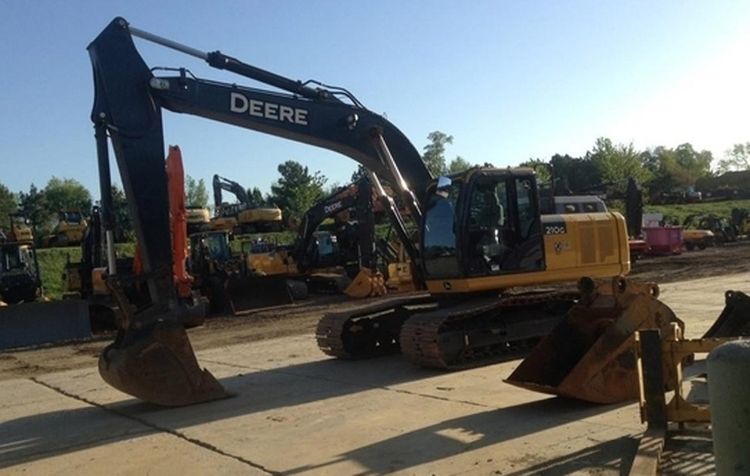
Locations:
420 335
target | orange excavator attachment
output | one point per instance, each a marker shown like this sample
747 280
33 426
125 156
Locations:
152 358
366 284
590 355
178 221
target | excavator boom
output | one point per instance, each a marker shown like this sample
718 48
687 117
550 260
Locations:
127 111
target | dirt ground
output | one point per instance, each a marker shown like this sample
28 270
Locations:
302 318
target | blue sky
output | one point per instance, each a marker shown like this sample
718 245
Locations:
509 80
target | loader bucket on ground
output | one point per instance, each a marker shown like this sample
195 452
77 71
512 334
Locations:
257 292
734 320
37 323
327 282
157 364
590 355
366 284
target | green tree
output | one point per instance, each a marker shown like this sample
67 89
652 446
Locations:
66 194
540 167
8 205
459 164
616 163
196 194
736 159
573 174
297 189
676 168
34 205
358 174
434 152
123 223
256 197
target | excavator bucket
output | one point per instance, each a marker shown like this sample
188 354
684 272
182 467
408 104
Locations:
254 292
157 364
366 284
590 355
734 320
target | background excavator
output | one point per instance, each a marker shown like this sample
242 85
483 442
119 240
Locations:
69 230
20 280
241 217
20 228
26 316
481 232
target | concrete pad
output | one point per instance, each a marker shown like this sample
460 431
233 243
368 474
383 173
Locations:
699 302
44 432
296 411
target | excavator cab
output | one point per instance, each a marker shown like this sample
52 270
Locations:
482 223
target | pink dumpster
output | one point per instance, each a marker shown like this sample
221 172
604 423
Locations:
664 240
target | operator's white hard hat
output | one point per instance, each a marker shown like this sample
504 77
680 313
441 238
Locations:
444 182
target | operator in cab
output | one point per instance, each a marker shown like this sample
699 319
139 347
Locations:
439 232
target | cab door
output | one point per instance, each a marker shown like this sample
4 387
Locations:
503 226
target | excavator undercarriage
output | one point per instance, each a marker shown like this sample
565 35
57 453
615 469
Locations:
446 334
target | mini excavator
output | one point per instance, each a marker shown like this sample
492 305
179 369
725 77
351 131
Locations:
482 245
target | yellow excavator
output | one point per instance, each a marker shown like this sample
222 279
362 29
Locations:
69 231
483 249
241 217
20 228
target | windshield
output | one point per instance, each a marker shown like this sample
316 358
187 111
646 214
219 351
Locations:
72 217
10 259
217 246
439 233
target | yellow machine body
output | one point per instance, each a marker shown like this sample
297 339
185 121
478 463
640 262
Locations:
197 216
590 244
71 232
21 231
223 223
271 263
260 215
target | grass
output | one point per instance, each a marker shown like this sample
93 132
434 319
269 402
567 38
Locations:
52 263
681 211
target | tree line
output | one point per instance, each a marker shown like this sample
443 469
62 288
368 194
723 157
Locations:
661 170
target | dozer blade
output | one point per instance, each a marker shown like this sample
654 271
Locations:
734 320
366 284
157 364
249 293
37 323
590 355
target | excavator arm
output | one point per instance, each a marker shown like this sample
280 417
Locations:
127 109
358 196
220 183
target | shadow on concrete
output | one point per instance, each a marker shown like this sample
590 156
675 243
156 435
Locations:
688 451
44 435
479 430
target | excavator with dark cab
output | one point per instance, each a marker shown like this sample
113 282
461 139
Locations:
483 249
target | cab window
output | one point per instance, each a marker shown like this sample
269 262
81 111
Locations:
439 239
